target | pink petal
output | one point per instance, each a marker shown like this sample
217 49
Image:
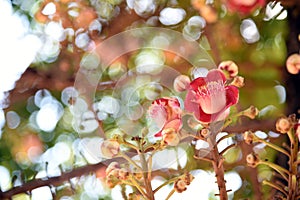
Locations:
232 95
159 115
215 75
196 83
213 103
176 124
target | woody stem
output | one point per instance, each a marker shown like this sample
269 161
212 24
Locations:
217 162
146 175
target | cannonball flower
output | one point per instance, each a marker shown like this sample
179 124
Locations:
244 6
209 98
166 113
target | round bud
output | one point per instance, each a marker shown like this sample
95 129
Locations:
252 159
283 124
180 186
293 63
109 148
229 67
251 112
181 83
248 137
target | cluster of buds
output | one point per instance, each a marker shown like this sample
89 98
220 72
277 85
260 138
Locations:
115 174
252 160
231 70
285 124
181 183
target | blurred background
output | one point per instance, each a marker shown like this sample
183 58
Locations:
45 42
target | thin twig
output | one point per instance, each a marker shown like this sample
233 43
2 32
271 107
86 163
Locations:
170 194
53 181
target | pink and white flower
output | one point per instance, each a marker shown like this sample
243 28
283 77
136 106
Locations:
166 114
209 98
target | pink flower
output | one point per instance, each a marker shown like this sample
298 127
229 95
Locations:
209 98
244 6
166 113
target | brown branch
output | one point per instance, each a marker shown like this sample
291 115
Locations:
52 181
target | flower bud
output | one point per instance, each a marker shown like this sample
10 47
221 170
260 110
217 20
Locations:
170 137
252 160
138 175
182 182
251 112
229 68
180 186
109 148
135 196
112 166
123 174
293 63
284 124
181 83
204 132
238 81
248 137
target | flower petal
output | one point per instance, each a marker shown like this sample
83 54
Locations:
215 75
159 115
232 95
196 83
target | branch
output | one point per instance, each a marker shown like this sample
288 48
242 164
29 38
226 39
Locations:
53 181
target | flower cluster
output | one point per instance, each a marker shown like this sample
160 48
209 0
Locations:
208 98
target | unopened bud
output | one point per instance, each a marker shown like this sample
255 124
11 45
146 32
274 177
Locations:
229 67
188 178
248 137
284 124
109 148
112 166
293 63
181 83
170 137
251 112
138 175
204 132
238 81
135 196
123 174
180 186
252 160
